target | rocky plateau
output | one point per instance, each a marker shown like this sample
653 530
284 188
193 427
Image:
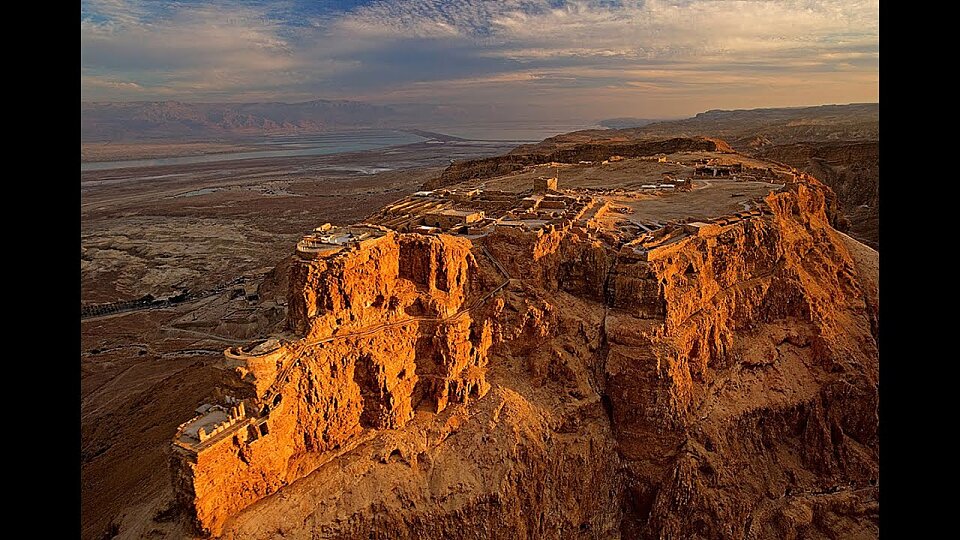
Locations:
557 383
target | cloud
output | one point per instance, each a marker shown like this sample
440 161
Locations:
102 82
200 49
652 29
475 51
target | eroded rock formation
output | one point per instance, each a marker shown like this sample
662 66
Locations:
851 169
385 328
758 380
720 385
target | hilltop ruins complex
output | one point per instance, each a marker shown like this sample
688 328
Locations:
699 345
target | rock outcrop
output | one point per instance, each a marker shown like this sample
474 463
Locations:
722 385
740 371
758 380
384 329
851 169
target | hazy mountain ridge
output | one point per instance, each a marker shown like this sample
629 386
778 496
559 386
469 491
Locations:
628 122
753 128
159 119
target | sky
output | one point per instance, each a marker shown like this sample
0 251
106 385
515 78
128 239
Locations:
562 59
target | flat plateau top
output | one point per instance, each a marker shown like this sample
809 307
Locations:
707 200
710 197
630 173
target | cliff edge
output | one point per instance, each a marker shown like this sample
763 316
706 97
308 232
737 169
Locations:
554 364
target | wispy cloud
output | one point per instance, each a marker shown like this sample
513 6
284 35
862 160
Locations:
516 52
92 81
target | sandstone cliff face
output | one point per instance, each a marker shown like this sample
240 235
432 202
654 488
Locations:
759 384
740 371
392 279
385 331
722 386
851 169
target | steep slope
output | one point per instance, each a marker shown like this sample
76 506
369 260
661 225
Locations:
759 384
158 119
753 128
851 169
318 393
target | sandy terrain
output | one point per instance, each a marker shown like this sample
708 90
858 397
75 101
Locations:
627 174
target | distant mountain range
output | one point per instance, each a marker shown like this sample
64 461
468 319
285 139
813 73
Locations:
627 122
756 128
164 119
